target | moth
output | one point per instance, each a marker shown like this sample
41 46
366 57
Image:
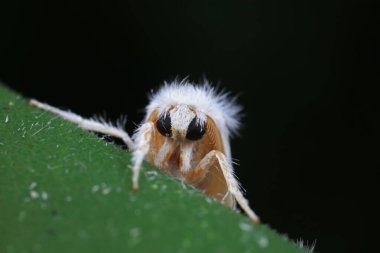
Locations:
186 132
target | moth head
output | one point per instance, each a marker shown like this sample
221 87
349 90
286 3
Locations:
181 122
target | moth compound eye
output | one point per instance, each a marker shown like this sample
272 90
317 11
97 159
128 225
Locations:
195 131
164 125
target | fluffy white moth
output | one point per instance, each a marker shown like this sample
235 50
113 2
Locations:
186 133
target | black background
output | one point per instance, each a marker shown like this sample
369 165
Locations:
304 71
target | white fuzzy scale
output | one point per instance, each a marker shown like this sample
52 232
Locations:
205 100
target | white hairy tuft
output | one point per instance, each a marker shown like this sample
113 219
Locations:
218 105
306 245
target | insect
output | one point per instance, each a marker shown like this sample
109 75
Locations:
185 133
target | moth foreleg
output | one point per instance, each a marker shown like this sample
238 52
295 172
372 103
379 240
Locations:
233 186
206 176
142 138
87 124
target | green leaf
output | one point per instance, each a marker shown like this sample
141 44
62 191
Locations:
63 189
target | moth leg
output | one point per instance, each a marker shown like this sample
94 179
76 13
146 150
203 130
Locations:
194 176
233 186
213 161
88 124
208 178
142 138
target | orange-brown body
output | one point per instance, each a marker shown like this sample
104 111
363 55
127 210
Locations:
211 182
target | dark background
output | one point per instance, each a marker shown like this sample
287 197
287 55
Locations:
304 71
